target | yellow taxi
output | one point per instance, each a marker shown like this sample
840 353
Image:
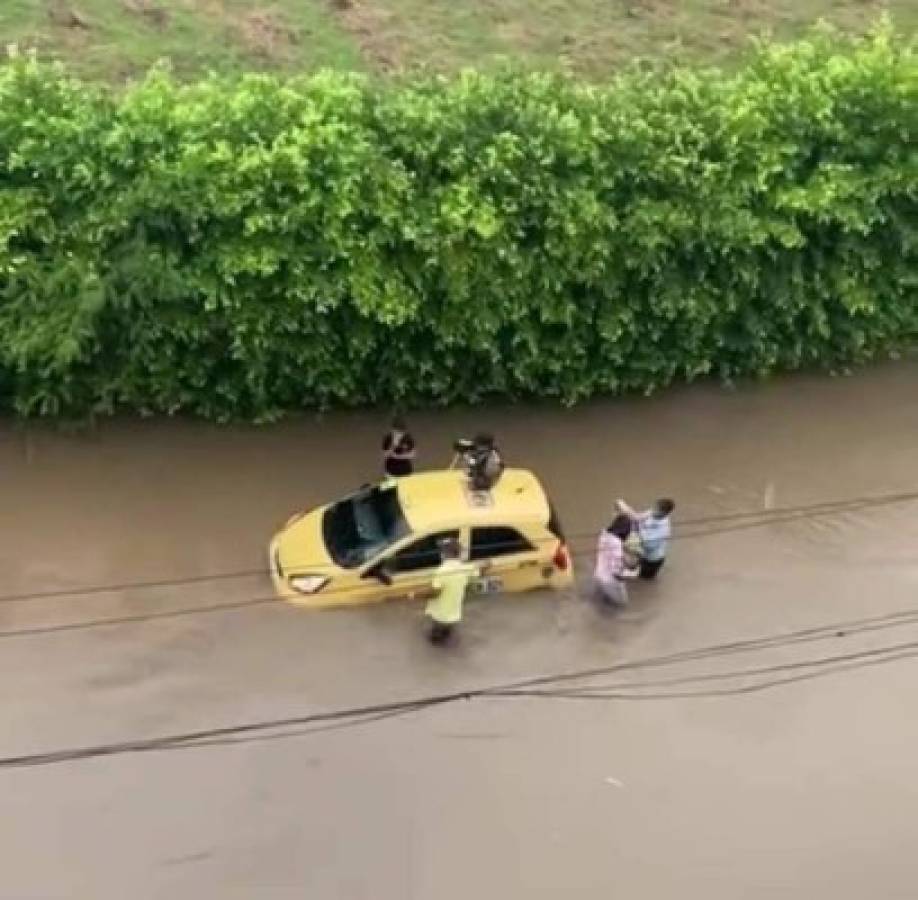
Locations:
382 543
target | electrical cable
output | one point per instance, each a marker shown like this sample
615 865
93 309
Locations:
256 601
602 690
783 639
763 518
33 630
717 692
348 717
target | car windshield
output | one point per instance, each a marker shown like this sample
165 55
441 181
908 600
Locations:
360 527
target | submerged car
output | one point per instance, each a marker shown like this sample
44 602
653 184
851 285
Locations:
382 543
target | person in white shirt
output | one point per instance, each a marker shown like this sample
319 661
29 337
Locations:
655 530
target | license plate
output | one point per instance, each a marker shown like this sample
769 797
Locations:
488 585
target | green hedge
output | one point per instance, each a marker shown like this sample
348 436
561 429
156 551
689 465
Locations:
237 249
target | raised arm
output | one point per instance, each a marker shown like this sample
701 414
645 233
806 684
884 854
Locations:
632 514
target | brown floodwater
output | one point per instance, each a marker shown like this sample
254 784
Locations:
806 790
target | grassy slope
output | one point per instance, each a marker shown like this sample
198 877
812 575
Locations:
123 37
594 36
114 39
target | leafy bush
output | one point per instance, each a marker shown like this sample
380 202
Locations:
237 249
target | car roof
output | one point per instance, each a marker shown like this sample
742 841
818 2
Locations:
443 499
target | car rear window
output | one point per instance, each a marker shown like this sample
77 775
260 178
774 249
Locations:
422 554
497 540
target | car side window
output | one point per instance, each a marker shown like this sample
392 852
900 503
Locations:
422 554
497 541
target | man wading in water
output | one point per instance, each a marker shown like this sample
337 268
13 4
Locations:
451 580
655 530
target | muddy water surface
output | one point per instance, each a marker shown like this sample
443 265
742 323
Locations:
806 790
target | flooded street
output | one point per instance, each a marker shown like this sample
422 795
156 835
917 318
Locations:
808 789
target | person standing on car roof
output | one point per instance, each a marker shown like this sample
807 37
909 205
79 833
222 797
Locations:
486 464
399 450
451 581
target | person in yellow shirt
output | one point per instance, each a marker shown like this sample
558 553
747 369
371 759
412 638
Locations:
451 580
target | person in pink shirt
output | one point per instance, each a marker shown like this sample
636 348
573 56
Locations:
611 571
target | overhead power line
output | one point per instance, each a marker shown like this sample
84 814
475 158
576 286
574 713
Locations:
738 522
637 690
537 687
56 628
733 522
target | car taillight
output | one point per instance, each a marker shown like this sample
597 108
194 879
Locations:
561 559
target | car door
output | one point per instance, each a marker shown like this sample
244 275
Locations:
509 559
410 569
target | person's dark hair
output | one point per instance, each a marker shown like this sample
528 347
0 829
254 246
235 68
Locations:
621 526
484 439
664 507
398 424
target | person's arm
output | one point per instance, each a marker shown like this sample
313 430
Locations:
624 571
632 514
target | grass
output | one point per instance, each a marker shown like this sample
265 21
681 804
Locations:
117 39
596 36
